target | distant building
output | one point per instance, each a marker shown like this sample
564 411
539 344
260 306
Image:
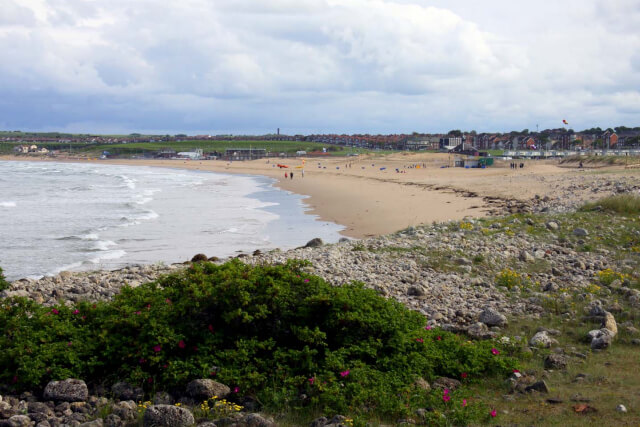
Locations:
245 153
450 141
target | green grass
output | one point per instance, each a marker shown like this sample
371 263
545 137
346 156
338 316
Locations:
626 204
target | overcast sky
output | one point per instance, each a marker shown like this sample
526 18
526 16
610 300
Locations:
317 66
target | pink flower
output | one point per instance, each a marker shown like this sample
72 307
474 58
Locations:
428 327
157 348
69 344
138 313
344 373
76 311
210 328
312 380
446 397
54 311
515 371
495 351
236 389
493 413
439 338
306 280
148 306
84 317
142 360
464 402
149 380
419 340
168 301
446 391
181 344
464 375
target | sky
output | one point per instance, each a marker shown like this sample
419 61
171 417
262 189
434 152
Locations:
317 66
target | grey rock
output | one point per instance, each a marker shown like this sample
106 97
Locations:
526 257
95 423
422 384
609 323
125 391
167 416
257 420
602 341
39 407
491 317
539 386
542 340
19 421
552 225
206 388
126 410
416 291
69 390
319 422
580 232
480 331
112 420
314 243
556 361
448 383
163 398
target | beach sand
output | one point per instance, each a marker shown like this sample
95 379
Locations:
370 198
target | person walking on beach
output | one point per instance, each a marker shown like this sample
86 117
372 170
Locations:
286 175
291 175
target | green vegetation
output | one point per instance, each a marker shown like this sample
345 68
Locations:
627 204
3 282
273 332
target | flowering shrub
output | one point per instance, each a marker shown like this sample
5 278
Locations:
466 226
272 332
608 276
509 279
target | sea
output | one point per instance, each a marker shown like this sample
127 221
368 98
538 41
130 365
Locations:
92 216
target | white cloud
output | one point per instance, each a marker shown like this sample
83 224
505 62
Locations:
352 65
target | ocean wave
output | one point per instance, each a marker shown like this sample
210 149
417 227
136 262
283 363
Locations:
129 182
68 267
8 204
107 256
87 236
103 245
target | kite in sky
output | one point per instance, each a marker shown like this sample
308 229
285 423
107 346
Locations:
565 122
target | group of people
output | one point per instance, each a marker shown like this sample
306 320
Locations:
516 165
290 174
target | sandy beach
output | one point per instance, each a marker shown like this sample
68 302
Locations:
368 196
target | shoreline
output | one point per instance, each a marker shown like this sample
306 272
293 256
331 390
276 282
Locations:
369 198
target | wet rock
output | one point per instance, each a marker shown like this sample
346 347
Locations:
314 243
167 416
70 390
199 258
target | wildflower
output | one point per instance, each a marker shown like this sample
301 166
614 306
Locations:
138 313
142 360
464 375
495 351
439 338
446 397
76 311
181 344
69 344
344 373
210 327
464 402
419 340
168 301
149 380
306 280
54 311
446 391
493 413
428 327
312 380
236 389
84 317
157 348
515 371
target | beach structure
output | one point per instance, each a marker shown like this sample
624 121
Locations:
192 155
245 153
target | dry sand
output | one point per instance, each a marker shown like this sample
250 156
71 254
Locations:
369 200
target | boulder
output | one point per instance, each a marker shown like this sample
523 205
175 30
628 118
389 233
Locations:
167 416
125 391
609 323
69 390
422 384
556 361
542 339
205 388
199 258
257 420
552 225
112 420
319 422
19 421
491 317
95 423
601 340
539 386
314 243
580 232
526 257
126 410
480 331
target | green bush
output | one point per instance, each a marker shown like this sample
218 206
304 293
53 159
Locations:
273 332
3 282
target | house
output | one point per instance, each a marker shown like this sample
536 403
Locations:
610 139
450 141
21 149
528 142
